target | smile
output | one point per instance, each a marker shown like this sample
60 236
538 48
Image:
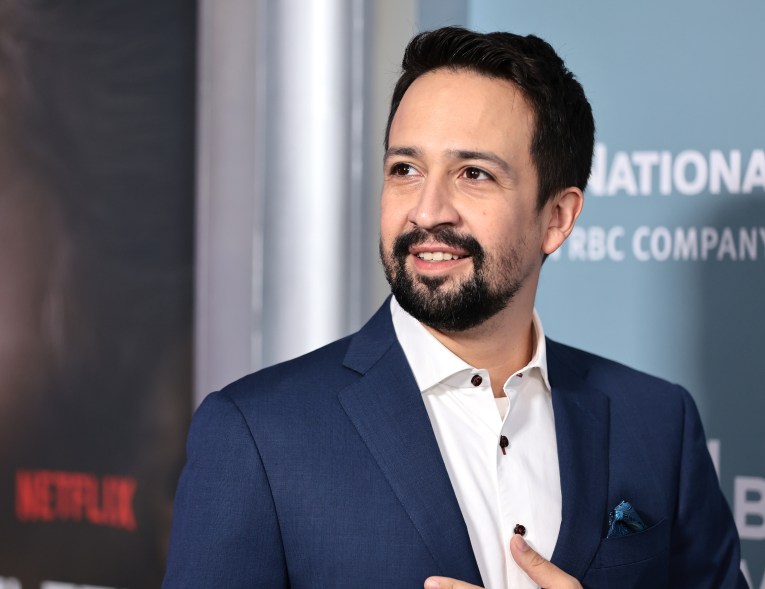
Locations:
438 256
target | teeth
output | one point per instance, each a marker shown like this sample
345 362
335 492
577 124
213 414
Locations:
437 256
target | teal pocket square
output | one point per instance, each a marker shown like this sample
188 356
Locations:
624 520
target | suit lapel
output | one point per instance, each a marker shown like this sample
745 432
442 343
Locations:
386 408
582 430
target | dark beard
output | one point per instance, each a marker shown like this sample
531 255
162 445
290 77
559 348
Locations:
468 304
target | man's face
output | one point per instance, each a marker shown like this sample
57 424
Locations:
460 232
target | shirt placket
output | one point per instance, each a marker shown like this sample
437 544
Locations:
478 405
508 486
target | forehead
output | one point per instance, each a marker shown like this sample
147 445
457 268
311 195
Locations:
463 110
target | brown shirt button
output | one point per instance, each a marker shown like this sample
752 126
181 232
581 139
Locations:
520 529
476 380
503 443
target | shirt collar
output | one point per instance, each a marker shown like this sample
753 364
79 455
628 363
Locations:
432 362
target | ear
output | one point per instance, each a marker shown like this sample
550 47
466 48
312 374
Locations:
563 211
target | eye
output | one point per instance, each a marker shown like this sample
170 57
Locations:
473 173
402 169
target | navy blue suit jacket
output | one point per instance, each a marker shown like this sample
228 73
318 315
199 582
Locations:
324 472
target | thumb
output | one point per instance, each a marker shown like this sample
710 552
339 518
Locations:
446 583
541 571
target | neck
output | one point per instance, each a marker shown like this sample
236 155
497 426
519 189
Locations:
502 345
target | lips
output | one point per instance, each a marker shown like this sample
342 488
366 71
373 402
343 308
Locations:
444 245
436 252
438 256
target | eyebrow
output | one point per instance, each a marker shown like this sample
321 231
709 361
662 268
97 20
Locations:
482 155
461 154
401 151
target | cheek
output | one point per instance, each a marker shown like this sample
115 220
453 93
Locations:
392 220
490 226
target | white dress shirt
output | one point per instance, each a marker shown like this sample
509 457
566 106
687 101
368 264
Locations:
495 491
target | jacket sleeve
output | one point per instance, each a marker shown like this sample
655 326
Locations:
705 544
225 531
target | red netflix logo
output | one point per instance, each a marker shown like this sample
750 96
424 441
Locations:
47 496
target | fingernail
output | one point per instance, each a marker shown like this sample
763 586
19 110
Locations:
432 584
521 543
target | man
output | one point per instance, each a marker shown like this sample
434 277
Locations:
448 443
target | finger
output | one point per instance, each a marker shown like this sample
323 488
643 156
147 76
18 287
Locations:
446 583
542 572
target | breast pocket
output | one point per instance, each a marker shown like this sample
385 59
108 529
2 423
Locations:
633 548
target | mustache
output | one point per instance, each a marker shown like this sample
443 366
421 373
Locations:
444 235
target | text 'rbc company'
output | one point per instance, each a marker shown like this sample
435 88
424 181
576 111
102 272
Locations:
710 176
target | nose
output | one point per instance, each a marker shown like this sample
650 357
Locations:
434 205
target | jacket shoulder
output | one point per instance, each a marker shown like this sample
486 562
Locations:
588 366
614 379
326 370
314 371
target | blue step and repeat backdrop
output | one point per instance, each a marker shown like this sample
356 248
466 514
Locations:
666 271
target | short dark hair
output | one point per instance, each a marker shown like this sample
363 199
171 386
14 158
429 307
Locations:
564 130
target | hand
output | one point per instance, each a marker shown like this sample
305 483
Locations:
542 572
